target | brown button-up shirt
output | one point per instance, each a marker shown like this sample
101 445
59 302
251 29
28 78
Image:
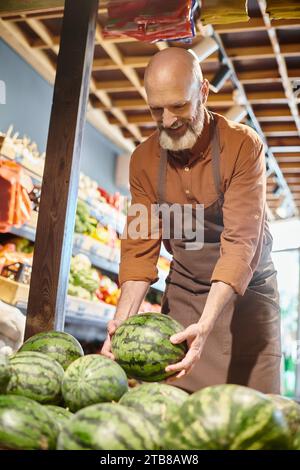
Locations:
190 180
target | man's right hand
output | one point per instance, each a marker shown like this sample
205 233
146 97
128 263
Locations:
132 295
111 328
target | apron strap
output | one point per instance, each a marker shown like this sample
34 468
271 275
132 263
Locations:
162 174
216 160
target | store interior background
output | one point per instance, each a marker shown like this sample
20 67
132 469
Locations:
27 108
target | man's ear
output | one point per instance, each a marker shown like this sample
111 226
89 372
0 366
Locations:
204 91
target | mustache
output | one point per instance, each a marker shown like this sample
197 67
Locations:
174 126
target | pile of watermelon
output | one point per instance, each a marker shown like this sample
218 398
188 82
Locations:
52 396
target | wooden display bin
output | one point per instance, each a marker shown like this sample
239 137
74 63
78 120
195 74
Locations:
12 292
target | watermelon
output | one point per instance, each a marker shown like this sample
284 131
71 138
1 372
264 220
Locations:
59 414
291 411
227 417
156 401
4 372
108 426
93 379
37 376
25 424
142 346
62 347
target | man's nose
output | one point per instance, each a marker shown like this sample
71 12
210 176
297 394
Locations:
168 118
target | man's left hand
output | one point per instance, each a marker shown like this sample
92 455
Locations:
195 335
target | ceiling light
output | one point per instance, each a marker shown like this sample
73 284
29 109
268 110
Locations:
204 48
285 210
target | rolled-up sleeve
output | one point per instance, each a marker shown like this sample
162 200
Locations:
244 217
139 253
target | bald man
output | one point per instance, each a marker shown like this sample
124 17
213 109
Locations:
225 292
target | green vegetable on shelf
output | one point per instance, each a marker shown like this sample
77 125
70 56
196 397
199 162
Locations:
80 292
83 279
84 223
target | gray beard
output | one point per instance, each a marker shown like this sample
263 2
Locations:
188 140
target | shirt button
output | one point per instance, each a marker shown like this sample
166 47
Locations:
186 168
187 191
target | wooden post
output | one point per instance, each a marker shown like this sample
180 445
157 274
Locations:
54 237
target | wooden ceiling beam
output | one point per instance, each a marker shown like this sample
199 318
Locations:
264 97
251 25
254 24
279 130
272 198
248 104
265 76
295 188
40 43
291 161
287 118
292 179
294 73
42 31
116 56
100 91
12 34
55 14
272 113
290 167
141 120
287 156
130 104
283 24
8 7
281 133
104 64
280 148
220 99
115 85
279 51
286 142
259 52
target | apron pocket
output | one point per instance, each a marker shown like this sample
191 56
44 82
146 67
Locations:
253 327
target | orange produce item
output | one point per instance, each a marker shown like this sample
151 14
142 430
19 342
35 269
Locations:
15 205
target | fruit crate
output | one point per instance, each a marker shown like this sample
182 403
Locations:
13 292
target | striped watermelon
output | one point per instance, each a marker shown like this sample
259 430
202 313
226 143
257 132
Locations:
37 376
142 346
228 417
157 402
25 424
291 411
108 426
4 373
62 347
59 414
93 379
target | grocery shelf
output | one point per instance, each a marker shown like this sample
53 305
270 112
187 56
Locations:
25 231
116 221
102 256
84 319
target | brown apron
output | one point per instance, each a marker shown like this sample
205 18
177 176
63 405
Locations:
244 345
